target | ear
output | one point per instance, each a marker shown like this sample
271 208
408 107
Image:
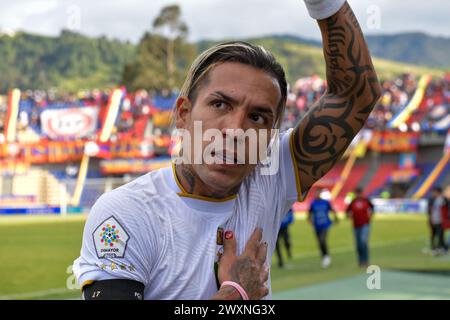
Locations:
183 110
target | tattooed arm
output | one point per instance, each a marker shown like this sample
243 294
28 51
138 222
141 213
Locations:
325 132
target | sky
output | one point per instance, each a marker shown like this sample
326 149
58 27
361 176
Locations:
216 19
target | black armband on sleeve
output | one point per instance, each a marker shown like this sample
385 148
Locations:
114 289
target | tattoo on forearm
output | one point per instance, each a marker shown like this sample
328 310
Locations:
326 131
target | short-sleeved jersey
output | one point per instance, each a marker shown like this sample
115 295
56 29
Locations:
320 212
150 231
361 209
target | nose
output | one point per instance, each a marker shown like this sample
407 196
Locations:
234 120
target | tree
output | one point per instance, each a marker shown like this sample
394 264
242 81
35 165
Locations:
163 54
169 25
68 62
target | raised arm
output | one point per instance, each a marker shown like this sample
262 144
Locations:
325 132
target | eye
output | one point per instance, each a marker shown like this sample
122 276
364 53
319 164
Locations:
219 104
258 119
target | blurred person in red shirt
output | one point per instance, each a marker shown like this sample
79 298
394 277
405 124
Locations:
360 211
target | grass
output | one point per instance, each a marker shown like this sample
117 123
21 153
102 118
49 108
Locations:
37 253
396 243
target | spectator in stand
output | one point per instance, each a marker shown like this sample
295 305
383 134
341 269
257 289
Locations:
395 95
438 211
433 114
360 210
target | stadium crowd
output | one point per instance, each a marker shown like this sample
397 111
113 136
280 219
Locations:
396 93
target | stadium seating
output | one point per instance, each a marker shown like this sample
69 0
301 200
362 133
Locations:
380 178
327 182
38 183
425 170
142 113
354 179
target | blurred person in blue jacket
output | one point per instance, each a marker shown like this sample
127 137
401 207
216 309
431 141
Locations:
319 217
283 235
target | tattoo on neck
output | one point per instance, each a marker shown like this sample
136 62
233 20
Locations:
190 178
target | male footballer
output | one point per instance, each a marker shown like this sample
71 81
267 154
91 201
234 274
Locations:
207 230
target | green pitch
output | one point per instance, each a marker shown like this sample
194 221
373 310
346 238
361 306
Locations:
37 253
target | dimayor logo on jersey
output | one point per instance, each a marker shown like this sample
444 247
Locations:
110 239
109 235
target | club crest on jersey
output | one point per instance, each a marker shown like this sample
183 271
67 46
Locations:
110 239
219 239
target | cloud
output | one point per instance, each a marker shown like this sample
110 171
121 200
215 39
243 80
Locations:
217 19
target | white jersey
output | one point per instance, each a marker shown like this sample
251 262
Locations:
150 231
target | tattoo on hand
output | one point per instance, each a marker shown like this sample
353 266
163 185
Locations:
243 273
